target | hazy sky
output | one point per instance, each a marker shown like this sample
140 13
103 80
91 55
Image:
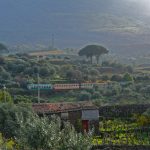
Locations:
23 21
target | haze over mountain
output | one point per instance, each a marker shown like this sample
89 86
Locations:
120 25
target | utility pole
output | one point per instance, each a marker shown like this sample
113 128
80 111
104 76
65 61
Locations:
4 88
53 38
38 80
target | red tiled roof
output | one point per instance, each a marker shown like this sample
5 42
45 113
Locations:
61 107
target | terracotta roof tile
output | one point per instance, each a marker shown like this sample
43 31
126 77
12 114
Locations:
62 107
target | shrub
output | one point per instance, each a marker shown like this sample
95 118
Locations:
84 96
8 119
44 134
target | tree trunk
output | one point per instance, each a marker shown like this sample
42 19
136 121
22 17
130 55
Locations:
97 59
91 59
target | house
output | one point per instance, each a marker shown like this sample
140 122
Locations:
82 115
44 53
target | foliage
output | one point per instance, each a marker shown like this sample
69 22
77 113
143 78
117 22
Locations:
6 144
44 134
143 119
5 96
8 119
2 60
121 132
21 99
96 95
127 77
32 132
74 75
93 50
116 78
16 71
84 96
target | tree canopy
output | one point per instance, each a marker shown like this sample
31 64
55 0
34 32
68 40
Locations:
5 97
9 114
3 47
44 134
93 50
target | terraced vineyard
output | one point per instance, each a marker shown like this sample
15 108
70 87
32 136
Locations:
120 132
123 127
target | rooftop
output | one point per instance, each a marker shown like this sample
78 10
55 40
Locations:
62 107
46 53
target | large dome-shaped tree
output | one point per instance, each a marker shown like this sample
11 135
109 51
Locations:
93 50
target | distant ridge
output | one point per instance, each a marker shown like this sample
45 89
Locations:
119 24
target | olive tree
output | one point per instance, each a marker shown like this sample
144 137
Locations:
8 119
5 96
48 134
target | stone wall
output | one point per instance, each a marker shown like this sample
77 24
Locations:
122 111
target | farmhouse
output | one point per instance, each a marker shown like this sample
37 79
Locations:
83 115
46 53
54 55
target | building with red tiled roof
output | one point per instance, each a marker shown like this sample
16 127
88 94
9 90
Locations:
61 107
46 53
81 114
